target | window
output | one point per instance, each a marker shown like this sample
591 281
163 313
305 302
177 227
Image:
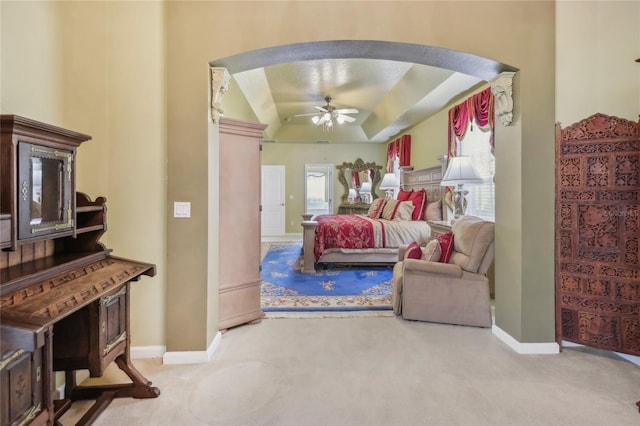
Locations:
481 198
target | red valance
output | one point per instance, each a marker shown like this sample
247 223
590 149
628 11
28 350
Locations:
401 148
478 109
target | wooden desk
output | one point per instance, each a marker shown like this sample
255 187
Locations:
74 319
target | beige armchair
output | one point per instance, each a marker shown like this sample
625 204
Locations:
456 292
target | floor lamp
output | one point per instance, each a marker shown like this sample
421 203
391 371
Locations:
460 171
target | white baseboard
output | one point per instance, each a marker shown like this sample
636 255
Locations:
146 352
192 357
525 348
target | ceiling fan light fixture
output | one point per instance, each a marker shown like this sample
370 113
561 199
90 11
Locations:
340 119
315 119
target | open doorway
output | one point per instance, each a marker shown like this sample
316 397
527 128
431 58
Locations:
318 189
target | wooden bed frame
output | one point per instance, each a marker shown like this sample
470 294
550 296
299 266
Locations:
428 178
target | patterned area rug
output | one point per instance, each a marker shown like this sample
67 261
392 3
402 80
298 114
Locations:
285 288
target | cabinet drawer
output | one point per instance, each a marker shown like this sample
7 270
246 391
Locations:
22 383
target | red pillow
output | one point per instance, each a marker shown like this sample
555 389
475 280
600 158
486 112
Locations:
419 199
413 251
446 244
404 195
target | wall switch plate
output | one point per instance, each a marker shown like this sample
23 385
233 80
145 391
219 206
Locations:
181 209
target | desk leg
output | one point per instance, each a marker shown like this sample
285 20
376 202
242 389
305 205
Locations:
139 388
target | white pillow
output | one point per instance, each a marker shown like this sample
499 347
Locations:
389 209
404 211
434 211
432 251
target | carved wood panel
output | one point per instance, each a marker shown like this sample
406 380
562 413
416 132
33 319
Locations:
597 227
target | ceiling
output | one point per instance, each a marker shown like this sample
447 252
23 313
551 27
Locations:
393 85
391 96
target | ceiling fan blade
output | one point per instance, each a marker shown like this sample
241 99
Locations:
305 115
347 111
347 118
322 120
321 108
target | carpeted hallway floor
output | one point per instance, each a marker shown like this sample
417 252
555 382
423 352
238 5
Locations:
380 371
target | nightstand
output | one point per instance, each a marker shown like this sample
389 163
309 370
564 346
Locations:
359 208
439 227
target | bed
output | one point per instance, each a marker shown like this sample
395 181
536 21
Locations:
360 239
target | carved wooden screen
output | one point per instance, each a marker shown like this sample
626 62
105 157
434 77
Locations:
596 229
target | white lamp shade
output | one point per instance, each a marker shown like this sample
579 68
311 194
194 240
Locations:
365 187
460 171
389 181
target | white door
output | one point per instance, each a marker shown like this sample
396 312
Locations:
272 200
318 189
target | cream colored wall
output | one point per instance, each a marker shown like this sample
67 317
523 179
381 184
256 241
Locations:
60 71
295 156
526 31
97 68
597 45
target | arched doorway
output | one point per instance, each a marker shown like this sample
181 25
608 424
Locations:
481 68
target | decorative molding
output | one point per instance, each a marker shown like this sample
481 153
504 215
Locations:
502 89
525 348
219 87
146 352
193 357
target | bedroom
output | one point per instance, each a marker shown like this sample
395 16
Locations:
163 126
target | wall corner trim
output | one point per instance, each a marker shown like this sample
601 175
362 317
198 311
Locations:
193 357
525 348
146 352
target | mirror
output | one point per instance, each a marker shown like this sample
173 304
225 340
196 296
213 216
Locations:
46 190
45 193
360 181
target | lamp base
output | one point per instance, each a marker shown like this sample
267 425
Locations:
460 201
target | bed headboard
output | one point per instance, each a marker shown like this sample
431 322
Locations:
428 178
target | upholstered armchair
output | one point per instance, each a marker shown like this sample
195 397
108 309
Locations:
456 292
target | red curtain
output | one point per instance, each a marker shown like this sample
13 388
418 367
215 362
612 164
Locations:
477 109
355 179
401 148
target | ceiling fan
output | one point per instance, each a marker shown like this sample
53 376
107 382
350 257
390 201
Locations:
328 115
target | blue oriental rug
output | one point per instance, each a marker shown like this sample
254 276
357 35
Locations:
355 288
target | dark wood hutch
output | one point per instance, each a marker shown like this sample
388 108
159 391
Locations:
64 299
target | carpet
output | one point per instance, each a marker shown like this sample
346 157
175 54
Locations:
349 288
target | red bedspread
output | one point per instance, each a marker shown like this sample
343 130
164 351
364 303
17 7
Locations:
344 231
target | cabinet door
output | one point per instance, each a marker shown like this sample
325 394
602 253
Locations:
239 274
113 325
22 382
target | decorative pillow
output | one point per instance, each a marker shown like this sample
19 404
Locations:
419 199
404 211
375 210
413 251
446 246
403 195
432 251
389 209
434 211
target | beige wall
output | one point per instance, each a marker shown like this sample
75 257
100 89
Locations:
147 112
597 45
98 68
295 156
